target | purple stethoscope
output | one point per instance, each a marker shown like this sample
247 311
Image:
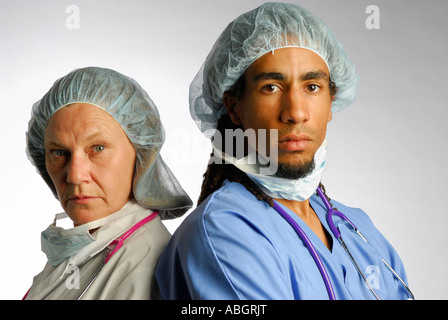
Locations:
330 212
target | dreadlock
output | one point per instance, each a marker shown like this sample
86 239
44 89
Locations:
216 173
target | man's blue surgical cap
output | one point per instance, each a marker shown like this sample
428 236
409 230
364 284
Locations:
253 34
154 185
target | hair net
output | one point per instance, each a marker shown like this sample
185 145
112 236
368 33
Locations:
255 33
154 185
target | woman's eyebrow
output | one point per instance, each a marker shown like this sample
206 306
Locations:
54 143
94 135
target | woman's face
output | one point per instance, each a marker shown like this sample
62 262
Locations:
90 160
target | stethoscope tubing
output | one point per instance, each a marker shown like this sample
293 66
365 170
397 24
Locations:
91 281
119 243
310 248
329 217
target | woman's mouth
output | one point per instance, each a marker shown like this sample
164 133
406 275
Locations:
81 199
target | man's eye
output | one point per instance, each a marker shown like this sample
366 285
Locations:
270 88
313 88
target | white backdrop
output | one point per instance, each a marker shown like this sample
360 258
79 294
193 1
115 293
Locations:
386 153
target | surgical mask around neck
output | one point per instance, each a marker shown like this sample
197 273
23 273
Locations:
284 188
59 243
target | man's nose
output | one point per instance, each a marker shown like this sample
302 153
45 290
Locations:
78 169
295 108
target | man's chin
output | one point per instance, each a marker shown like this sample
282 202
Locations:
295 172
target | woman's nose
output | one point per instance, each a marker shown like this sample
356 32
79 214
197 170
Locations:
78 169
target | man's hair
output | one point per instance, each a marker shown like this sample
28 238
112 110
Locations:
216 173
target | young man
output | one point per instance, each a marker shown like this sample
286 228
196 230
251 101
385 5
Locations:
258 235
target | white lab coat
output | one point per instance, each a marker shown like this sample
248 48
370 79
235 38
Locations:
129 274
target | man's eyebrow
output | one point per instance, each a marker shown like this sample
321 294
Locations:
314 75
311 75
269 76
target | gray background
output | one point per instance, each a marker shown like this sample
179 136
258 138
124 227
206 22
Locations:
386 152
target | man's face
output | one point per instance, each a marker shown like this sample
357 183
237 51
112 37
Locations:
90 161
287 90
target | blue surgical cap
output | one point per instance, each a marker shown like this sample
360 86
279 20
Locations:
250 36
154 185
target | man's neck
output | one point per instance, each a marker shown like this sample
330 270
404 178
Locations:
305 212
300 208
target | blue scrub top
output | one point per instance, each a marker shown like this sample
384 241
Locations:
234 246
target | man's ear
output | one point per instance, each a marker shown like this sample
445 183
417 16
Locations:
330 114
230 102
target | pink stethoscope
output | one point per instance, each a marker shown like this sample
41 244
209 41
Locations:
118 244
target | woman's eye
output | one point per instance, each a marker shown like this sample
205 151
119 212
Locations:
57 153
99 148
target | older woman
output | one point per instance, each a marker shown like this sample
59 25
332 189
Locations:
95 139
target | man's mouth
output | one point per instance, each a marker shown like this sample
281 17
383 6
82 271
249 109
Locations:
294 142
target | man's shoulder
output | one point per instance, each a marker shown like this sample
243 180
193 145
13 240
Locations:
232 201
232 196
227 215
